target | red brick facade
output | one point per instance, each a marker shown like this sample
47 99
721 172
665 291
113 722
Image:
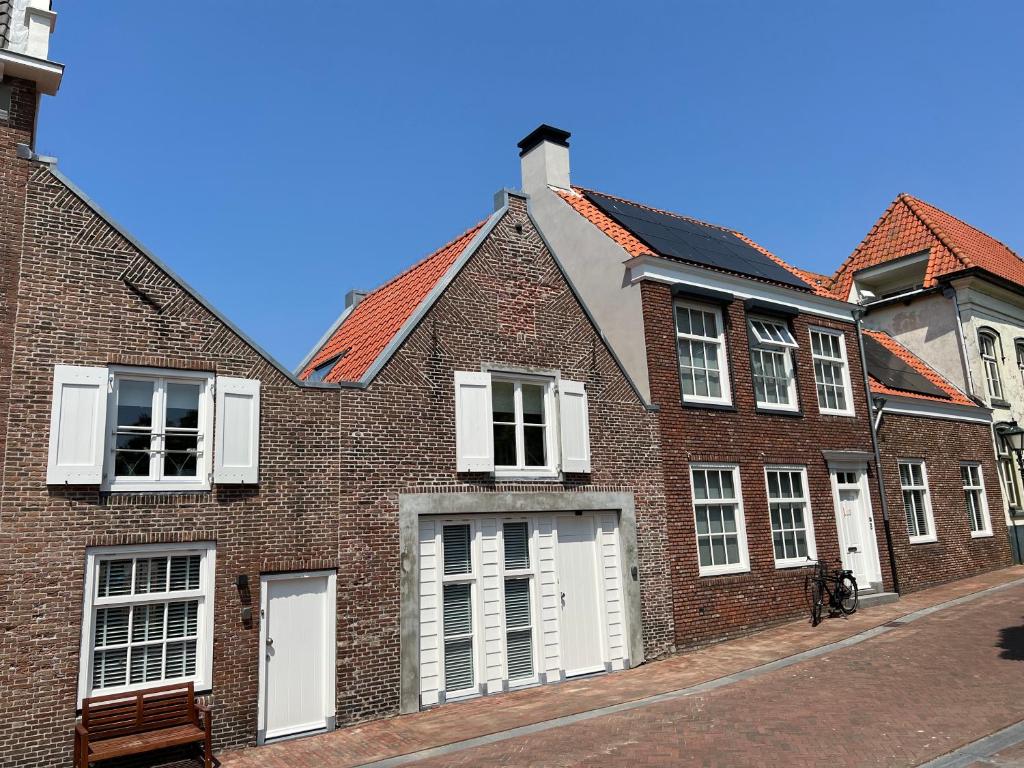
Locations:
709 608
942 444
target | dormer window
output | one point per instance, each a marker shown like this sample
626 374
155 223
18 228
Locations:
771 361
989 345
890 279
320 372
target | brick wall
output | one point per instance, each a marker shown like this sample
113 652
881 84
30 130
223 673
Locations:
509 306
942 444
713 607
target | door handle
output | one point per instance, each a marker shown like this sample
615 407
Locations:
563 599
853 550
270 642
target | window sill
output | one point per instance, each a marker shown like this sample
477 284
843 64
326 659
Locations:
788 412
155 487
708 406
847 414
981 534
724 571
995 402
519 474
788 565
923 539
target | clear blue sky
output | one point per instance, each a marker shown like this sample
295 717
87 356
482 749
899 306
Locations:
276 154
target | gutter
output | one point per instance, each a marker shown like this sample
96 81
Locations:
875 423
950 293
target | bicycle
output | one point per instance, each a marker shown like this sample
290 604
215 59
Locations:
840 586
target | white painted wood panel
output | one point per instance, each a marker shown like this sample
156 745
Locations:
430 658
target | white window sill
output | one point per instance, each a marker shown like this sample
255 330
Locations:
777 407
923 539
525 474
155 486
724 570
781 565
830 412
696 400
981 534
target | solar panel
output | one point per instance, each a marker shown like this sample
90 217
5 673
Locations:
895 373
691 241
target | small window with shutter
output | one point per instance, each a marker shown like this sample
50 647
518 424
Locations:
457 610
519 634
148 617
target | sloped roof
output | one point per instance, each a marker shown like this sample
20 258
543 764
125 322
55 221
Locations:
365 333
635 247
955 395
910 225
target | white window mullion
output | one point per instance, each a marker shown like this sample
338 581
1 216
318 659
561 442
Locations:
520 429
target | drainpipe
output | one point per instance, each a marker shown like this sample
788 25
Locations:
875 423
950 293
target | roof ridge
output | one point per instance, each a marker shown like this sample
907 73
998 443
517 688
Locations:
967 224
848 262
912 204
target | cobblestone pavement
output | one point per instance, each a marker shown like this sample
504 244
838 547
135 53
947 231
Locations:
873 690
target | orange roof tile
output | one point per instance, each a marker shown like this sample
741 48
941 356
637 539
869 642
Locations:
919 365
909 226
634 247
379 317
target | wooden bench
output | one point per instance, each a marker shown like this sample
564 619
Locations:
120 724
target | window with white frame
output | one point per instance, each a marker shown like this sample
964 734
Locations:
457 609
974 496
771 361
1019 344
523 410
989 345
831 371
1009 483
148 617
789 508
519 629
703 365
917 501
160 429
718 513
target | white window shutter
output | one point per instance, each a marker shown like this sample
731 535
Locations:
78 423
237 431
575 426
474 426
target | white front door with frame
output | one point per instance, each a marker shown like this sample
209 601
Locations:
297 673
579 600
854 521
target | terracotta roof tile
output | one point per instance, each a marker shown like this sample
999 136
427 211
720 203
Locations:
919 365
634 247
909 226
379 317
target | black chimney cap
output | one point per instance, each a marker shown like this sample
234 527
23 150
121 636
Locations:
543 132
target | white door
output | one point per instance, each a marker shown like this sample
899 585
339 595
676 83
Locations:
854 521
297 632
579 595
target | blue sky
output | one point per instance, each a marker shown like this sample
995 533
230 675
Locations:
277 154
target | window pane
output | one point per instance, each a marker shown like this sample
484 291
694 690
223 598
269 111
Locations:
132 456
134 403
718 550
517 546
115 578
181 659
458 664
184 572
111 626
457 558
182 619
520 654
458 611
505 445
147 663
150 575
109 668
148 623
533 404
180 455
732 550
517 603
503 401
183 405
533 446
682 320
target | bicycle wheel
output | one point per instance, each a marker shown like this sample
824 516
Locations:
817 596
847 594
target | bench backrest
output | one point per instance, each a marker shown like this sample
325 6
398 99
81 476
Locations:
121 714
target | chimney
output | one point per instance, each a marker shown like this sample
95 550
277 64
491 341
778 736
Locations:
25 28
544 156
353 297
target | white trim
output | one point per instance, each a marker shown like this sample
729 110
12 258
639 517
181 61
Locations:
986 529
860 470
934 409
812 549
743 565
772 346
721 355
847 383
330 635
477 633
552 427
932 534
203 678
654 268
44 73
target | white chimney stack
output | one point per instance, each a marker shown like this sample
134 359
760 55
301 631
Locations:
544 156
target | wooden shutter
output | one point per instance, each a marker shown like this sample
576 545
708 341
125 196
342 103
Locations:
78 423
237 430
575 426
474 428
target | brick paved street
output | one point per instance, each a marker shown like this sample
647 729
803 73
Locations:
949 678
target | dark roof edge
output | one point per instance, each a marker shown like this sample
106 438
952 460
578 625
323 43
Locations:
185 286
989 275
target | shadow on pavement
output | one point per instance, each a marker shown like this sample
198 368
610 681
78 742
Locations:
1011 640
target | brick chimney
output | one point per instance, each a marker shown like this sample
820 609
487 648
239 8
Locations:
544 157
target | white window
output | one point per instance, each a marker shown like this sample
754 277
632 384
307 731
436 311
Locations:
990 359
1009 483
771 361
519 613
831 372
917 501
718 513
703 367
1020 354
160 431
457 620
974 496
520 425
789 507
142 429
147 617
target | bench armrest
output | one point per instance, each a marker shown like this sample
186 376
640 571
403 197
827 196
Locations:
81 730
